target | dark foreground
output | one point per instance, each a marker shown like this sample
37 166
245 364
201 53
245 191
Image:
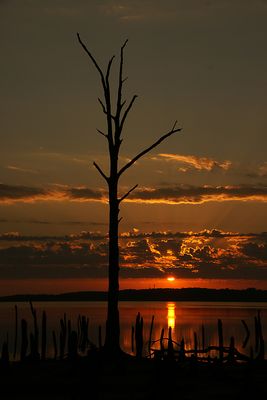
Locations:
94 378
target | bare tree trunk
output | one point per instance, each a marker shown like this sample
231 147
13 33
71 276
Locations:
112 342
115 124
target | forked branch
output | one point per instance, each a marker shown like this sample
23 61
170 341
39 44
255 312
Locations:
148 149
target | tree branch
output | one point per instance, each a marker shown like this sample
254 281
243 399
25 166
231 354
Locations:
127 111
130 163
108 103
121 80
102 105
92 59
108 69
105 84
102 133
101 172
127 194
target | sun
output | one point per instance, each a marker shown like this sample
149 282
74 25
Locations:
170 278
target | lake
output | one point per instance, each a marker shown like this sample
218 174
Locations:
185 318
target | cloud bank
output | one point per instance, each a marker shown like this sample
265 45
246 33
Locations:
203 255
180 194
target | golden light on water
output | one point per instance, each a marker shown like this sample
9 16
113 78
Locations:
171 315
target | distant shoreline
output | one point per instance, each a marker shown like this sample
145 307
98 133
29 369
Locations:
187 294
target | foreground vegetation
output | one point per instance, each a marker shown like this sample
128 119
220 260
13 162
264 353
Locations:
81 369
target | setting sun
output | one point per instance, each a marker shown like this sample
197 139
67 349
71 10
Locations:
170 278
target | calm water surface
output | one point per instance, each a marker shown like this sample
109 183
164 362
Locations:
185 318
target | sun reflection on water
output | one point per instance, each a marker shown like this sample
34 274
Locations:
171 315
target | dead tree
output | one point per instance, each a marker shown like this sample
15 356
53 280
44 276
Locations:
115 120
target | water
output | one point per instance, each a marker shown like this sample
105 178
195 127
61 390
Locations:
185 318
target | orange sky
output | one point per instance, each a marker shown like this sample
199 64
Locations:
184 65
210 258
35 286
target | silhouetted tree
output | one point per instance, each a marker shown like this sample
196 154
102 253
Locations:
115 118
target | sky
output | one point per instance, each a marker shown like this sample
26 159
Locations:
200 210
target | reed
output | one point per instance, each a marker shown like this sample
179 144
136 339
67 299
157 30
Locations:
261 346
16 332
62 337
24 340
231 353
182 351
43 345
170 351
150 335
203 336
132 339
161 341
73 345
54 344
79 329
78 341
69 335
100 337
245 342
256 325
195 344
84 324
139 336
35 336
5 354
220 336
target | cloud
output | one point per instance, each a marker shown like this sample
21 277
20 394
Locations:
182 194
10 193
136 235
263 169
54 259
27 194
255 250
162 11
83 193
52 222
187 194
207 255
134 10
259 172
63 157
198 163
19 169
86 235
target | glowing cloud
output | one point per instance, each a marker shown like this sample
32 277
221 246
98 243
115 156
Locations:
182 194
199 163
